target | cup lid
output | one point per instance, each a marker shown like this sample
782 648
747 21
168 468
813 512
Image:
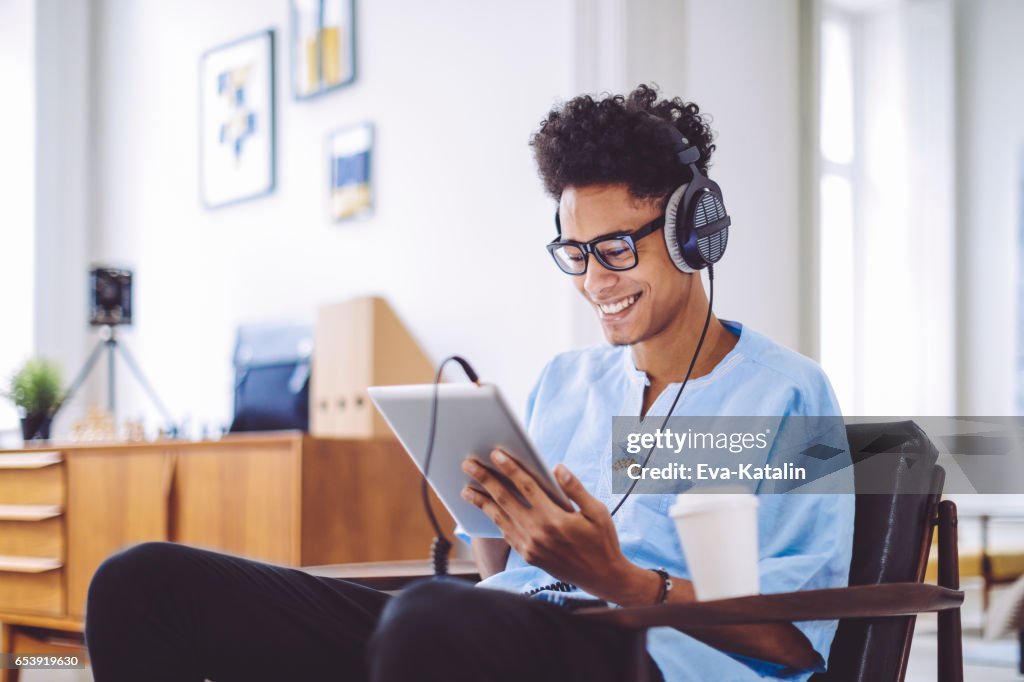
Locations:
712 498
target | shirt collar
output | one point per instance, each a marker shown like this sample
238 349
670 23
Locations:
640 378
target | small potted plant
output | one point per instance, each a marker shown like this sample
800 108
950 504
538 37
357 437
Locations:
36 390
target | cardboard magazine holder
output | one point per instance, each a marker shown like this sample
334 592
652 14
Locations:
360 343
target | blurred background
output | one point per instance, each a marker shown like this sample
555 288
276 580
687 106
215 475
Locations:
871 153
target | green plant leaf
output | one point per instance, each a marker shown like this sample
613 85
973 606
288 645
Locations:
37 387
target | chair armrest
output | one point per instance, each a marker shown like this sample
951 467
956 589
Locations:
704 620
860 601
392 575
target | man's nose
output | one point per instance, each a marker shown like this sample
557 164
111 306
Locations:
598 278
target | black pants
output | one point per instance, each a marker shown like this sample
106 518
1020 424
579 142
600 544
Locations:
160 611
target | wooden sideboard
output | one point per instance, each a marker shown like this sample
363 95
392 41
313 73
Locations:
285 498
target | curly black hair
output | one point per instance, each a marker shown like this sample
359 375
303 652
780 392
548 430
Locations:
612 141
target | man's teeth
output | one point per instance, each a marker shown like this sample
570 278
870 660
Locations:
612 308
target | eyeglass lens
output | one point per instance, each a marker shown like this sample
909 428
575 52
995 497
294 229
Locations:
615 254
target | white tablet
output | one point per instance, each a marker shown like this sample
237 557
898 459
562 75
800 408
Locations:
471 421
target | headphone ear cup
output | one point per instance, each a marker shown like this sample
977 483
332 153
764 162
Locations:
673 241
710 209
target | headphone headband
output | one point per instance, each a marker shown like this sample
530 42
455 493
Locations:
687 154
696 223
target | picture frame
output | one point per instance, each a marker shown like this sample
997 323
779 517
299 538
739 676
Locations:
350 151
323 39
237 156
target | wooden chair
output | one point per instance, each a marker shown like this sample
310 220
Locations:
892 537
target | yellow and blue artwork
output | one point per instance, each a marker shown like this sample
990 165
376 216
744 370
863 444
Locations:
240 123
237 121
351 183
322 45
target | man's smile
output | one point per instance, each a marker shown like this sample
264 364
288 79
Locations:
617 308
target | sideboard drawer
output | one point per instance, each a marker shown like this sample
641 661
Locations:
31 586
31 531
32 478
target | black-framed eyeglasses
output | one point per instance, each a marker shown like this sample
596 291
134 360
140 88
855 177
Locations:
615 252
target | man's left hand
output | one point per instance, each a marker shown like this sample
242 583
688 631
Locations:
579 547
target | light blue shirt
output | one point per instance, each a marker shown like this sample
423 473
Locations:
805 540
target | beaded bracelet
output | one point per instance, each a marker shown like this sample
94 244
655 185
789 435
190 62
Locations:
666 585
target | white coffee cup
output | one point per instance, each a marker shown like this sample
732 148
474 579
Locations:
718 532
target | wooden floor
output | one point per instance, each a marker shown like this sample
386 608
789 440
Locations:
922 661
984 661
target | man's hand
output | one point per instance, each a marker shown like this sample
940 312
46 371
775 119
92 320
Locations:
583 548
578 547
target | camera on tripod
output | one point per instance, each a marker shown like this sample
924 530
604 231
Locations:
110 306
110 297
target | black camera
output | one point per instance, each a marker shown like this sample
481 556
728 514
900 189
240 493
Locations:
110 291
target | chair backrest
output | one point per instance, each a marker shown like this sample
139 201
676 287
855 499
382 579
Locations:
891 540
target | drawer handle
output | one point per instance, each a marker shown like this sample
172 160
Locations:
22 564
29 512
30 460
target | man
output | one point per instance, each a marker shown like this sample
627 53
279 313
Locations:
166 612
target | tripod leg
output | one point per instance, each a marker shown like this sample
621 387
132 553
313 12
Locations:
130 361
83 374
111 385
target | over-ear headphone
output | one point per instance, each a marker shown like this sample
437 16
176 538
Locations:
696 223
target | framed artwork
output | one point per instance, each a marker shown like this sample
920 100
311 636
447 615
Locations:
322 46
236 120
350 150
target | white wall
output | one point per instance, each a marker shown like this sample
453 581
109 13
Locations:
17 74
456 243
991 154
742 67
63 187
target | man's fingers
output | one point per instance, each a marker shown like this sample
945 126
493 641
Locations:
523 479
591 507
493 511
498 491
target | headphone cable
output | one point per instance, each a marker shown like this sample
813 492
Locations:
679 393
441 547
562 586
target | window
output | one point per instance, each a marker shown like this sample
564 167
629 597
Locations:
886 205
837 200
